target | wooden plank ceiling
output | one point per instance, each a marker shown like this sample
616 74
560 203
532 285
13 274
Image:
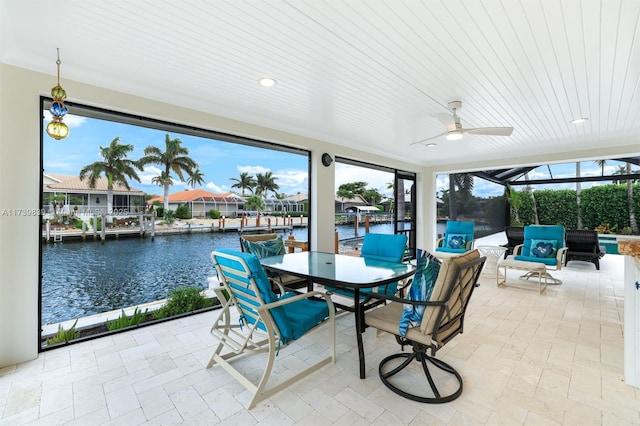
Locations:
361 73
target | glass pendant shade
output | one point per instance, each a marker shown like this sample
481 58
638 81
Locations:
58 109
57 129
58 93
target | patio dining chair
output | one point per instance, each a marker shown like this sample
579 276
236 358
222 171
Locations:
271 244
430 317
266 323
387 247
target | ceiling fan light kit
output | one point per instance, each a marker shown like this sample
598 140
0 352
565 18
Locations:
455 131
454 135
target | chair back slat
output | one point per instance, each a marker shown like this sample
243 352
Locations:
249 288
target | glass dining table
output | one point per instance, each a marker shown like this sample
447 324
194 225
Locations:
349 273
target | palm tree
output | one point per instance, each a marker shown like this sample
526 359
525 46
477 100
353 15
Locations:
246 181
254 202
162 179
601 163
175 158
195 178
116 167
464 183
265 183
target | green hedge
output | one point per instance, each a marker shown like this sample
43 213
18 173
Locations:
603 204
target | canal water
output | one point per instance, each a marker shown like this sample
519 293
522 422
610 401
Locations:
87 278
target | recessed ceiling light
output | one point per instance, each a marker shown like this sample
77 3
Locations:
267 82
579 120
430 145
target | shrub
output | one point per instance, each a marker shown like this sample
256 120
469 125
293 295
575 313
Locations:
99 226
183 212
169 216
63 336
182 300
127 321
214 214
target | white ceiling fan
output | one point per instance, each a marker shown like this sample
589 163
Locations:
454 128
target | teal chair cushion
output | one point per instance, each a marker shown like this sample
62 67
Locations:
386 247
541 244
294 319
389 247
457 234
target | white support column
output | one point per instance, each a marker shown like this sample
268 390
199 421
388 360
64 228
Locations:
631 321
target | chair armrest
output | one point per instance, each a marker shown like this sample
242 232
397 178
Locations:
469 244
439 242
560 256
307 295
402 300
272 280
517 249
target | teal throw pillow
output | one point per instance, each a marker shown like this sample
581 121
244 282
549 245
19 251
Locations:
543 248
427 269
267 248
456 241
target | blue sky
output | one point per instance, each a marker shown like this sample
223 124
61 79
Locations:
220 161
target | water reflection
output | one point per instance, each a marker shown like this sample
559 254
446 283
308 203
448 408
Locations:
81 279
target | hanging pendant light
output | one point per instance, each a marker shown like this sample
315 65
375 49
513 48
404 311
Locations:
57 129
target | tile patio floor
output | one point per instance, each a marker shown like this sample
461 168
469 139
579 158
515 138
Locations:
526 359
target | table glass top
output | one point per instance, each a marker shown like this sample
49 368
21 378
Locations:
339 268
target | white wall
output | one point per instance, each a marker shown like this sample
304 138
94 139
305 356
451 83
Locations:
20 173
19 189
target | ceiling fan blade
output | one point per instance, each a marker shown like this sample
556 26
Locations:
428 139
445 119
490 131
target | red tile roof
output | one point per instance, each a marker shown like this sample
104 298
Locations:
196 195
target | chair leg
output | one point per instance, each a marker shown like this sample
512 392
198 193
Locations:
550 278
419 354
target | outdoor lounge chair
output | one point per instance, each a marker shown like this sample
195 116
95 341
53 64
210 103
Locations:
458 238
582 244
515 237
265 245
266 323
441 320
543 244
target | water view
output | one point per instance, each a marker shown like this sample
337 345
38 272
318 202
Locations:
81 279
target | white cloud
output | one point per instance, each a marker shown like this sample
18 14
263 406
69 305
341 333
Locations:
148 174
211 186
69 119
253 170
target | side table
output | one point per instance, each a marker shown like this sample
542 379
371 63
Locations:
493 254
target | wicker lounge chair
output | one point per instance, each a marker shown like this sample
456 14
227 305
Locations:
515 237
582 244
